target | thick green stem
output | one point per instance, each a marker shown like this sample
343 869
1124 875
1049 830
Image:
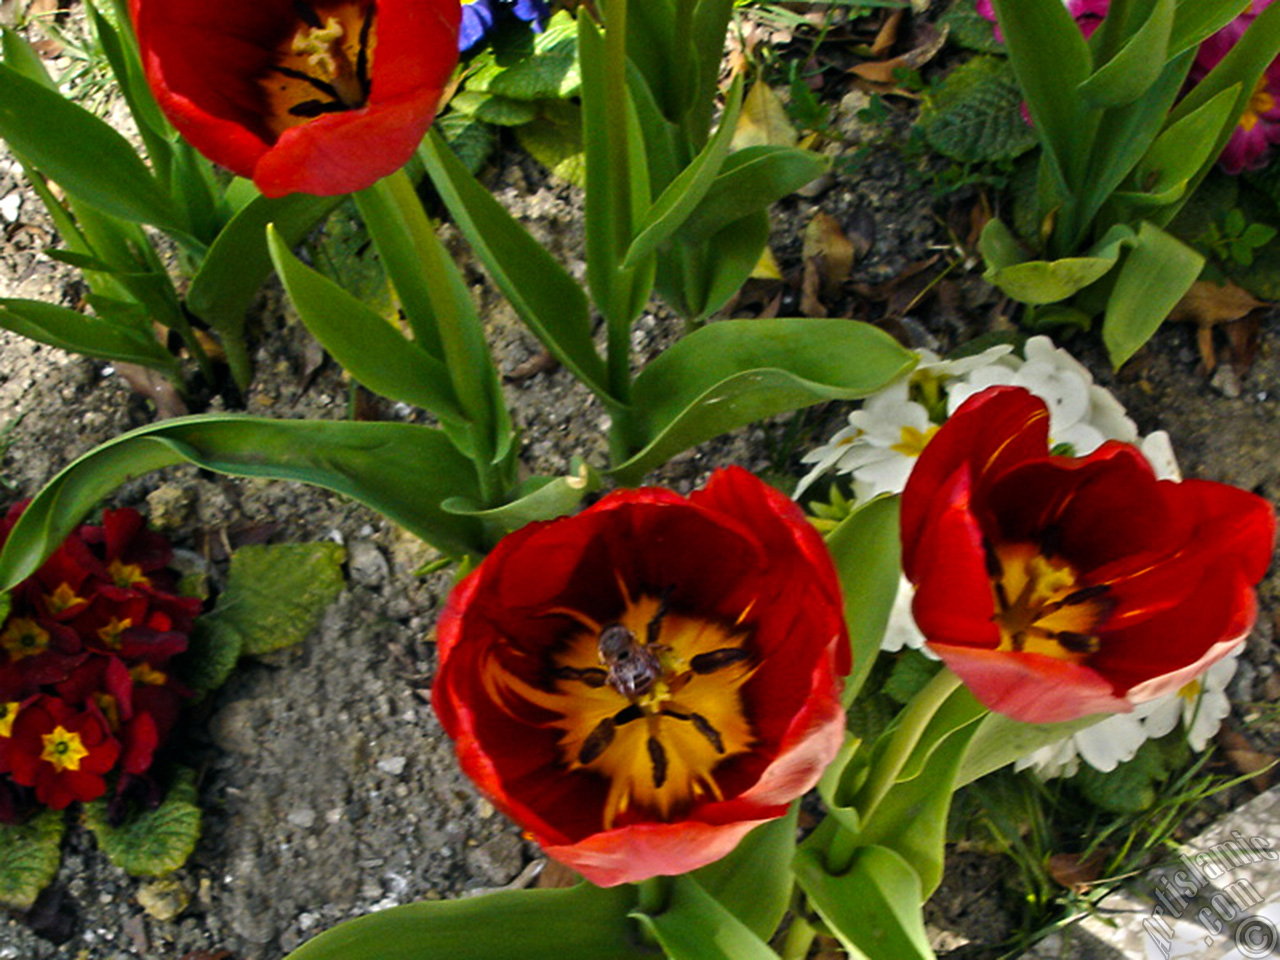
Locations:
902 742
799 939
437 305
619 154
652 895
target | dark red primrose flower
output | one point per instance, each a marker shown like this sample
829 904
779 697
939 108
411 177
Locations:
1059 587
303 96
640 685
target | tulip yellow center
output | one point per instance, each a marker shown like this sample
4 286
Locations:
64 749
652 703
323 66
24 638
1041 605
1261 102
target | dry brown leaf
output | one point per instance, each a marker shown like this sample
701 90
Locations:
830 250
810 291
1208 302
154 387
540 362
1248 761
881 71
556 875
763 121
888 34
1076 872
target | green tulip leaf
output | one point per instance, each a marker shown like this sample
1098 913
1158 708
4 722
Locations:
276 594
151 843
1184 147
83 154
1137 64
539 498
30 853
1152 279
867 554
873 908
1000 740
581 923
79 333
693 925
404 471
363 341
543 293
754 883
1051 59
729 374
751 179
1193 22
683 194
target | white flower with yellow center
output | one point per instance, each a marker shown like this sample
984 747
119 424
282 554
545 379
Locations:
879 446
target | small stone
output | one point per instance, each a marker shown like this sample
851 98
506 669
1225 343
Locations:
10 206
170 506
497 861
392 765
302 817
164 899
1226 381
368 566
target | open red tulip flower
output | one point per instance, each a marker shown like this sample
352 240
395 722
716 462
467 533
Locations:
640 685
312 96
1059 587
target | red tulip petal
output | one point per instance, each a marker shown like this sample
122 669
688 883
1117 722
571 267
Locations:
991 432
1031 687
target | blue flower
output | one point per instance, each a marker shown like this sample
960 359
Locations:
479 16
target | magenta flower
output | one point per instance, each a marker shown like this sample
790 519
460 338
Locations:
1087 13
1259 127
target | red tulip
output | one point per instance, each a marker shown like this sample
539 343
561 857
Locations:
640 685
1059 587
310 96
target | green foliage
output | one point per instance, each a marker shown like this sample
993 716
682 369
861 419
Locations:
1132 787
911 671
153 842
30 853
969 29
974 114
1124 147
276 595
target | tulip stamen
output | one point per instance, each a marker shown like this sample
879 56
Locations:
680 674
331 57
1040 606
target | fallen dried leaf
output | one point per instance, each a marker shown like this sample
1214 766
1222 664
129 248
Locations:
830 251
556 875
882 71
888 34
1076 872
1208 302
763 121
1246 760
540 362
153 386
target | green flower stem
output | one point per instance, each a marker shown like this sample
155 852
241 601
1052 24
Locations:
652 895
435 300
617 148
799 938
884 771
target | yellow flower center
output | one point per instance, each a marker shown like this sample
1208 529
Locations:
324 66
651 703
147 674
914 441
24 638
1261 102
62 598
64 749
110 709
110 634
8 713
125 575
1041 606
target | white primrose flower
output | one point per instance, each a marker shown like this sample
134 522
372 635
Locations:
882 440
1201 704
